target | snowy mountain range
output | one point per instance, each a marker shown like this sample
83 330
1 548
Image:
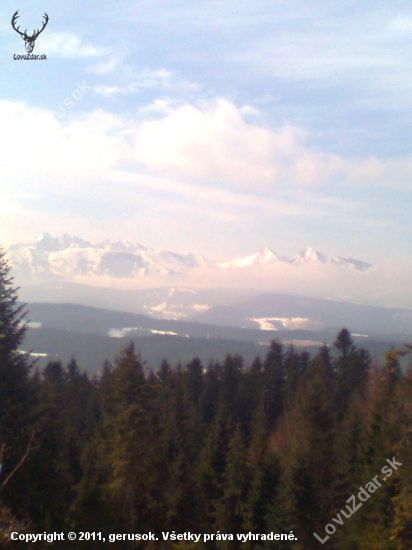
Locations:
266 255
69 256
263 291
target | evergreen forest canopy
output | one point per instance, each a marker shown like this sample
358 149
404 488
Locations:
276 446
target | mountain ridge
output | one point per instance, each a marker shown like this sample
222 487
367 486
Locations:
69 256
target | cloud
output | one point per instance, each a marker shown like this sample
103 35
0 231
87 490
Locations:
87 170
215 141
40 150
105 67
209 142
159 107
70 46
160 79
108 91
400 25
9 207
206 151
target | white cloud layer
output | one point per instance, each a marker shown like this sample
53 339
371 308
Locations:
70 46
211 144
180 170
160 79
214 142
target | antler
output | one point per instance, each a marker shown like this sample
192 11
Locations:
13 22
36 34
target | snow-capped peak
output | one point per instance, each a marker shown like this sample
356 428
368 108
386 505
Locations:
262 257
309 255
266 255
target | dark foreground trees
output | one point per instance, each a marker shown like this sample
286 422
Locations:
277 446
18 393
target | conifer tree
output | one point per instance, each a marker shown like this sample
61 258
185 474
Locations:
250 398
295 365
229 385
179 429
305 442
210 465
273 382
136 479
392 364
18 394
263 465
395 500
401 525
193 377
381 438
351 366
165 373
209 398
229 507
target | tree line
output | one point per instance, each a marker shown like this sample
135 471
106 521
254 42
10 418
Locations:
276 446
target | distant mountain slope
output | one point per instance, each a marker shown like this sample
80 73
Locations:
280 312
88 320
161 303
92 350
94 335
227 314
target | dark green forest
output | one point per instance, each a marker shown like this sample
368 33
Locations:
275 446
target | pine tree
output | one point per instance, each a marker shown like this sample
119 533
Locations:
305 442
94 508
210 466
180 439
18 394
136 479
229 507
229 385
209 398
400 426
263 466
273 383
351 366
295 364
372 525
250 390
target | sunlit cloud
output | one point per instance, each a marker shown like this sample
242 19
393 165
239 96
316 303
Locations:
210 145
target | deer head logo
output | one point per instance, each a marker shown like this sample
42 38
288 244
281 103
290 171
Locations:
28 40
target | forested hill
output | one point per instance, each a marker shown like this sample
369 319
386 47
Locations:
64 330
278 446
285 444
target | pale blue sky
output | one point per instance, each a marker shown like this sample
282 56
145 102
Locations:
212 125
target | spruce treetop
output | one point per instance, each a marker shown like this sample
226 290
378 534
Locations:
12 325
